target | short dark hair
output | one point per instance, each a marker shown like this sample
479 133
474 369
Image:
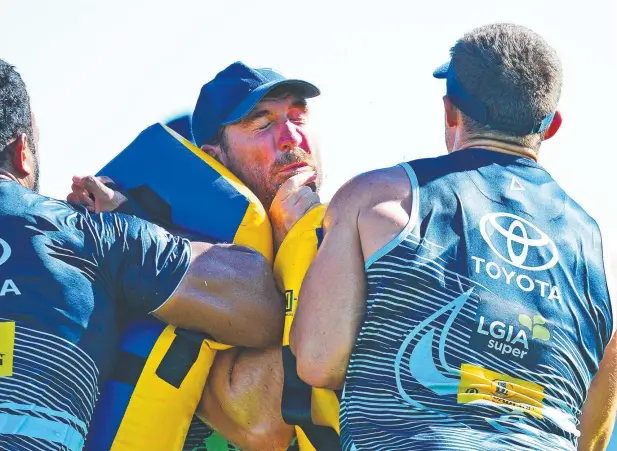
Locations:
15 112
514 72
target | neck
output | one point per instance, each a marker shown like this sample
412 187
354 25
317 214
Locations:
6 175
498 146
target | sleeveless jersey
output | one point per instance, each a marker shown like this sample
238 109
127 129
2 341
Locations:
487 316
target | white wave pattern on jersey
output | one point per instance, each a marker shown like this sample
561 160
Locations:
50 397
481 332
421 412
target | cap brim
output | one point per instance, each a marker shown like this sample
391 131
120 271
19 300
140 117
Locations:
305 89
442 71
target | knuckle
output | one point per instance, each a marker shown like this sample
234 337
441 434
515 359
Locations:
303 191
290 182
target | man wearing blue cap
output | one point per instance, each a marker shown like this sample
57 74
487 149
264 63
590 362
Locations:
463 300
255 122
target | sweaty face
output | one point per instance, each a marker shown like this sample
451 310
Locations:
270 145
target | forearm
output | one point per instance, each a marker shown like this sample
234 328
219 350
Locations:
323 363
596 441
329 315
332 298
600 409
229 293
242 400
596 431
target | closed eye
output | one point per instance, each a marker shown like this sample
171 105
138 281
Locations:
265 126
301 117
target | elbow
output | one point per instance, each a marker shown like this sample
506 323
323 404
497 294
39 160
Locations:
316 364
320 371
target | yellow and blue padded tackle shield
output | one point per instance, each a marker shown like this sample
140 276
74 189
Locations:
148 401
181 186
313 411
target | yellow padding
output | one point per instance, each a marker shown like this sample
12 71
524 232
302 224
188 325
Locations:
158 414
293 259
154 399
290 266
255 230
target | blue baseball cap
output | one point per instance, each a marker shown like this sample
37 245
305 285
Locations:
233 93
476 110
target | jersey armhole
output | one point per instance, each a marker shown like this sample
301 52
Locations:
411 224
611 283
186 270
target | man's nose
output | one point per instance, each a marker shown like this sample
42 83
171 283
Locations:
290 137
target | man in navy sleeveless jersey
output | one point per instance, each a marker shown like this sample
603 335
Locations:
67 277
463 300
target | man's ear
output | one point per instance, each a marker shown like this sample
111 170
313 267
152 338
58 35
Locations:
21 163
452 113
554 127
215 152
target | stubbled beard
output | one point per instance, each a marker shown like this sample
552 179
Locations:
296 155
36 174
262 189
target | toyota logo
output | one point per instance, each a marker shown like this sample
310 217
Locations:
5 251
517 240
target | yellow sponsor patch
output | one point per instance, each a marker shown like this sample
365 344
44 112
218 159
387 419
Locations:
480 384
7 344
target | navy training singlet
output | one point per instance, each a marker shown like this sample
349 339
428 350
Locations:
486 318
67 277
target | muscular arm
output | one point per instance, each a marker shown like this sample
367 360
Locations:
228 292
242 399
600 408
364 215
332 299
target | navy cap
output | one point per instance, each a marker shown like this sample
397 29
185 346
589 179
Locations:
233 93
476 110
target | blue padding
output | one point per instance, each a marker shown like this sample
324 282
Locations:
140 336
108 416
201 197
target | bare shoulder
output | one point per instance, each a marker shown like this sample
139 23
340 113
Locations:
366 190
376 203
